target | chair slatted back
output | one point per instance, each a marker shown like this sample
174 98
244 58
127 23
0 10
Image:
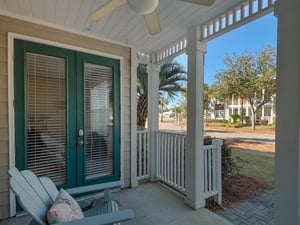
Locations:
31 197
38 187
49 187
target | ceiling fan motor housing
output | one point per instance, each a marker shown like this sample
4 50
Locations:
143 6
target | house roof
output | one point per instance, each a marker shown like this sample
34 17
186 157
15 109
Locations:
122 26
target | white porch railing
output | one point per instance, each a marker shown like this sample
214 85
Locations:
170 162
170 153
213 170
143 166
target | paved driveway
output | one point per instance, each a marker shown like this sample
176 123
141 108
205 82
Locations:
238 136
242 136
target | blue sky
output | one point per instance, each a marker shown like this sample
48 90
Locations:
251 37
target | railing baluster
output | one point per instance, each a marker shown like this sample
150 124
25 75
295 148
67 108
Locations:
171 159
209 168
183 162
157 154
175 161
214 172
140 154
144 154
165 157
148 154
179 161
168 159
205 170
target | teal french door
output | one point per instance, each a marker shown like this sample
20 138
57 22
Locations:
67 118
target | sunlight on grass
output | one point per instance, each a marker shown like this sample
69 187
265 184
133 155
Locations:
256 165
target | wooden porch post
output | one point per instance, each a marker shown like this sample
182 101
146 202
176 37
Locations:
153 100
194 169
133 156
287 158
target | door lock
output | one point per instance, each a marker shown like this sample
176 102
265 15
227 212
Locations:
80 135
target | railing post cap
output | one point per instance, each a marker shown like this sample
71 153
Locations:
218 142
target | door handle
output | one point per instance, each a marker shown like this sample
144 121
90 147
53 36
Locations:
80 132
80 142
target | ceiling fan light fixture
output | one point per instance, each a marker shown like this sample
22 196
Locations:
143 7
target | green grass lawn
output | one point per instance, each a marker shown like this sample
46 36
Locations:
256 165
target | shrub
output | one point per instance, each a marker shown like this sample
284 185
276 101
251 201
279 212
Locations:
229 123
224 121
238 125
264 121
207 140
235 118
235 121
230 165
247 120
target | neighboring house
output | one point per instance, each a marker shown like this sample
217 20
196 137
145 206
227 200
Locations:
68 91
234 105
166 114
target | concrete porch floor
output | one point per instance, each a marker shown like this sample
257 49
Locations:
152 204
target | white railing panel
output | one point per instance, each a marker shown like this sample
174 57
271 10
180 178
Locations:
212 171
170 149
143 165
170 162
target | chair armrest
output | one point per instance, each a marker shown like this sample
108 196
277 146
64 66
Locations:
103 219
95 187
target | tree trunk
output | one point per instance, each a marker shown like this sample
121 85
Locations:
142 109
162 113
253 118
253 122
242 111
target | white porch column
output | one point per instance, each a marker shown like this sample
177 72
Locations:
153 110
133 117
226 109
287 159
239 105
194 169
232 103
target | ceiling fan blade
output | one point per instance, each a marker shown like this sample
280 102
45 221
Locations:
106 9
200 2
153 23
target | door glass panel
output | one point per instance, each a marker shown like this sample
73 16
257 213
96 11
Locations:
98 121
46 116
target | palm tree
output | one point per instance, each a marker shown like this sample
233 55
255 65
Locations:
162 102
171 81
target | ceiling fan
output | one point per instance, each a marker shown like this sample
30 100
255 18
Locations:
147 8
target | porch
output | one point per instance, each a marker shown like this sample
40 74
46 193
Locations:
152 203
65 25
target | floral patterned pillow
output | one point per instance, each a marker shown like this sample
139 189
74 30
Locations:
64 209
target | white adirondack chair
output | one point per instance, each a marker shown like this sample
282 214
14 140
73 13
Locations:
36 196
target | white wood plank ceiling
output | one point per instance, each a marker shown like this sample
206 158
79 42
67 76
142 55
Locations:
123 25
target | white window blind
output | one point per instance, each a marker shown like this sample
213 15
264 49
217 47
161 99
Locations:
98 121
46 116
